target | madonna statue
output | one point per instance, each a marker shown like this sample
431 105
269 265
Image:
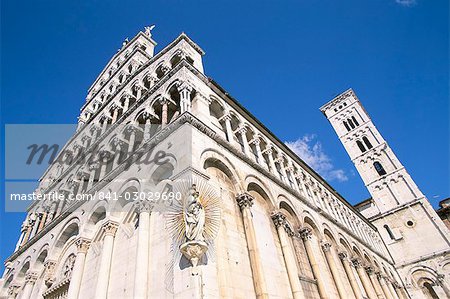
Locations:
194 216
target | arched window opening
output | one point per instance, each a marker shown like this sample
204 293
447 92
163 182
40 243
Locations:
190 60
379 168
430 291
367 142
355 121
389 231
350 122
361 146
346 126
175 60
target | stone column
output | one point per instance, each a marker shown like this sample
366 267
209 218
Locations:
78 268
126 102
280 160
43 217
401 292
23 232
84 143
142 255
384 287
93 168
30 279
103 161
272 166
326 247
230 136
164 111
104 120
147 124
115 108
37 219
245 201
62 203
51 212
364 279
257 142
284 231
118 154
138 89
243 132
300 176
109 231
376 285
132 131
391 288
185 97
350 275
291 173
306 235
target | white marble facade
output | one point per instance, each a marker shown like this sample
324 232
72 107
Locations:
284 231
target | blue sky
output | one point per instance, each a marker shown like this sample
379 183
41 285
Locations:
281 59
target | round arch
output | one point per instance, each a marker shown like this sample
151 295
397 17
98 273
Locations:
212 158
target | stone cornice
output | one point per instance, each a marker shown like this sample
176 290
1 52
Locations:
349 92
432 255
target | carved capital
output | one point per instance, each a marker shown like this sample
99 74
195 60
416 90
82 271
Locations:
226 117
269 151
105 154
104 117
244 200
378 275
356 262
369 270
115 106
143 206
184 86
13 290
278 219
163 101
82 244
151 78
110 228
131 129
31 276
94 166
117 142
242 130
343 255
255 141
326 246
305 233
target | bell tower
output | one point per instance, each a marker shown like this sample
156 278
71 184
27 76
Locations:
405 219
384 176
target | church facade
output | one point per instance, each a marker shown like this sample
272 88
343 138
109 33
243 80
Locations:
252 220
